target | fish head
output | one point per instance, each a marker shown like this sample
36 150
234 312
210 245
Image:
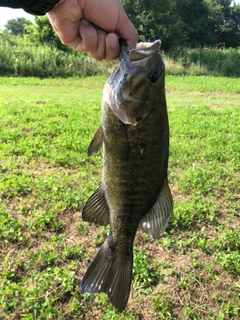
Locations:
138 82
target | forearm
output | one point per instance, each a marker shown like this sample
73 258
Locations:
37 7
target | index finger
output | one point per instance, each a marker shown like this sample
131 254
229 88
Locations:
126 30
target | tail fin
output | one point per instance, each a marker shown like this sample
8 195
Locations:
111 273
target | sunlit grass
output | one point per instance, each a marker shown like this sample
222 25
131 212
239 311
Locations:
192 272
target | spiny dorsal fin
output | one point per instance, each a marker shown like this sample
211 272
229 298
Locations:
96 209
156 220
96 142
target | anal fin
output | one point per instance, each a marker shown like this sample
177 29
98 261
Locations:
96 142
156 220
96 209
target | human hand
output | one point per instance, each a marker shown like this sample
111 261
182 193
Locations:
93 26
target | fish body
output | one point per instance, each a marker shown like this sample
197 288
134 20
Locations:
134 191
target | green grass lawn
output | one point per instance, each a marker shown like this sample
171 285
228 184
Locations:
192 272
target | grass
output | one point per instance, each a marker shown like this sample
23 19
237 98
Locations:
26 59
19 58
204 61
192 272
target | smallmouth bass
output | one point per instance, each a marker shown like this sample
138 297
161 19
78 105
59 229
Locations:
134 191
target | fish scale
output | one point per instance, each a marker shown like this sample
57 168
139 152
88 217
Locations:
134 191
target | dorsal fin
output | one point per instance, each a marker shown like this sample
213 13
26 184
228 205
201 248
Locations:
96 142
96 209
155 221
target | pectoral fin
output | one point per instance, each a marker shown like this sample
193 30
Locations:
96 142
156 220
96 209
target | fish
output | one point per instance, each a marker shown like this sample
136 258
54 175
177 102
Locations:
134 192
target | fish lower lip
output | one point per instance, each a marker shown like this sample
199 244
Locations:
127 98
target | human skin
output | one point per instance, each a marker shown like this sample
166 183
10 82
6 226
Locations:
93 26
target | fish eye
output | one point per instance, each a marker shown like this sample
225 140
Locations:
153 76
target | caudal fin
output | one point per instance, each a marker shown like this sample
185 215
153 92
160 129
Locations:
111 273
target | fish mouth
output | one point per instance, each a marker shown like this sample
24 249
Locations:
144 50
140 55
